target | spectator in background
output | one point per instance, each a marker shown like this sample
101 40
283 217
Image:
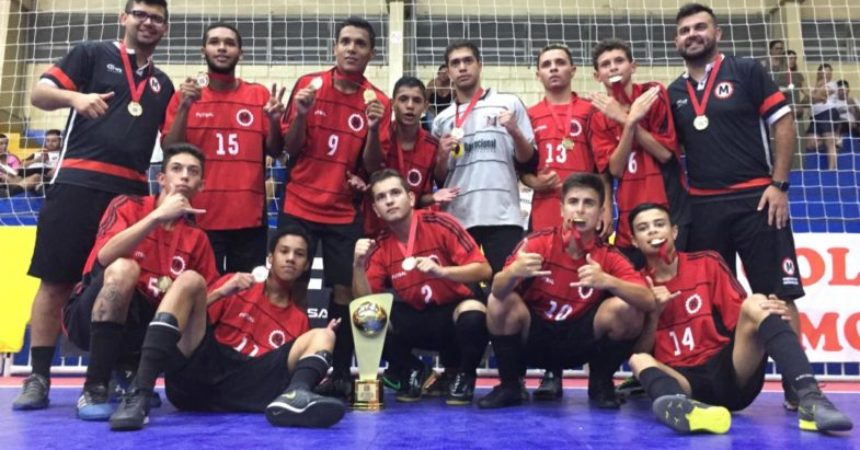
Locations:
849 112
775 62
11 180
48 156
439 94
826 122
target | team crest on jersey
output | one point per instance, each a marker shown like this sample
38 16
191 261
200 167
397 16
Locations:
154 85
492 121
413 177
244 117
355 122
277 338
788 266
575 127
693 304
724 90
177 265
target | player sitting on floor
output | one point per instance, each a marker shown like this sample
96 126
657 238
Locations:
428 258
238 348
566 298
711 341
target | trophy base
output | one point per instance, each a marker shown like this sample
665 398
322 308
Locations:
368 395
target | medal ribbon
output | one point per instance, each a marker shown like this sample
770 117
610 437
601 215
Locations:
223 77
395 147
563 127
174 244
699 108
410 241
459 121
569 232
619 94
355 78
136 92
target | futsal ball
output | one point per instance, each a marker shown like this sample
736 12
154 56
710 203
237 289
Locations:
369 318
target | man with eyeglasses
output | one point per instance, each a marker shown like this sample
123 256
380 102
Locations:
117 99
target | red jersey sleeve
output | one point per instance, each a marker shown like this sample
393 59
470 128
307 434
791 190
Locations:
463 248
205 263
375 269
116 218
728 293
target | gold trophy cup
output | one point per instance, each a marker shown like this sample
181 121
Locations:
370 315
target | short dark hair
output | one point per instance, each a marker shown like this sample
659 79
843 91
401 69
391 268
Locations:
694 8
55 132
408 82
222 25
3 136
382 175
642 207
162 3
180 148
774 42
824 66
287 230
584 180
557 46
609 44
462 44
842 83
357 22
791 52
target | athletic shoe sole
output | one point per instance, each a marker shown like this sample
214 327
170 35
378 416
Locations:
321 413
688 416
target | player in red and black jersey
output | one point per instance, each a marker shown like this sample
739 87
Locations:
143 245
325 128
408 149
566 298
429 260
108 146
561 125
711 341
236 124
724 109
244 346
633 136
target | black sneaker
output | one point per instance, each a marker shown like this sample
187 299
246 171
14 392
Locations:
393 379
461 390
550 387
684 415
790 401
437 384
119 383
302 408
502 396
817 413
34 394
630 387
410 389
601 393
133 411
336 386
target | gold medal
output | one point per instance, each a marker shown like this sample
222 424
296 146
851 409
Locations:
164 283
459 151
700 122
409 263
369 95
135 109
567 143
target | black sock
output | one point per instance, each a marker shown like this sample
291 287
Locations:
609 356
510 357
399 355
781 343
40 358
162 334
309 371
343 346
658 383
472 335
105 347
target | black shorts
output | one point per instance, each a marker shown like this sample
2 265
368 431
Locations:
338 246
563 344
715 381
78 311
66 231
239 250
217 378
638 259
730 224
430 329
497 242
827 122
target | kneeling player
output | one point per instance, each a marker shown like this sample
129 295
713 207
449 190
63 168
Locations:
143 247
238 348
549 306
711 341
427 258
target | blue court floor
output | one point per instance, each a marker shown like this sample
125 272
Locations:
429 424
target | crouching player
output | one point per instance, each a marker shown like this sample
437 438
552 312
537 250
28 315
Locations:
711 341
565 298
428 259
244 347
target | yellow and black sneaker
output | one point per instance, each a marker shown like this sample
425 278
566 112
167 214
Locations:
685 415
817 413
